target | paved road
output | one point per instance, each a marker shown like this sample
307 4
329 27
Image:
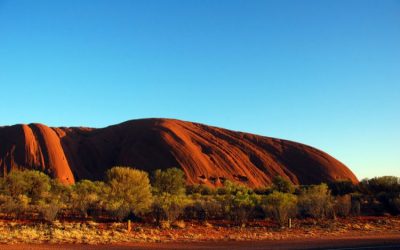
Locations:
386 242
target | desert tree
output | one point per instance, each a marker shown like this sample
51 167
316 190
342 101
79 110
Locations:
170 198
171 181
282 185
129 192
316 201
88 195
281 206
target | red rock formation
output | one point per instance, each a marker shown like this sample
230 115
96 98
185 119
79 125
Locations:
207 154
35 147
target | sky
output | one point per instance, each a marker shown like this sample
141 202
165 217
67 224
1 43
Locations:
324 73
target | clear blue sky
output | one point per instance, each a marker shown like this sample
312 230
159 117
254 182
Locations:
325 73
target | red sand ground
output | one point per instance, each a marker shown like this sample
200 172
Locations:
385 241
354 232
206 154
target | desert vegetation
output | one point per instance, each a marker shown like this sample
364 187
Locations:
164 198
163 201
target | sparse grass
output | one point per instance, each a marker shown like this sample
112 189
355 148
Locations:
108 233
65 232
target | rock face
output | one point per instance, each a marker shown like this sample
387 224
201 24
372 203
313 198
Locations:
207 154
33 146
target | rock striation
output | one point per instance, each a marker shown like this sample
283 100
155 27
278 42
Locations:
207 154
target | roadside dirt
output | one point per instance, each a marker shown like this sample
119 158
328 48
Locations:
389 241
305 234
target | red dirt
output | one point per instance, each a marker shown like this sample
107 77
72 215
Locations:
384 241
207 154
305 234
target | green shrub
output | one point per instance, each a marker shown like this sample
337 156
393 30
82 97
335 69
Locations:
356 199
212 209
129 192
53 201
243 207
342 187
204 209
396 205
343 205
192 189
233 188
24 190
386 184
14 206
201 189
7 204
206 190
171 181
263 190
31 183
315 201
282 185
88 195
168 207
221 191
281 206
50 210
238 203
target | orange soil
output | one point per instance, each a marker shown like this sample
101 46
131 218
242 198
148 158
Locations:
207 154
354 232
385 241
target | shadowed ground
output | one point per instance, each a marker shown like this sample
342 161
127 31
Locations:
390 241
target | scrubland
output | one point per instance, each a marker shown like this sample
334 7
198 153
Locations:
130 206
